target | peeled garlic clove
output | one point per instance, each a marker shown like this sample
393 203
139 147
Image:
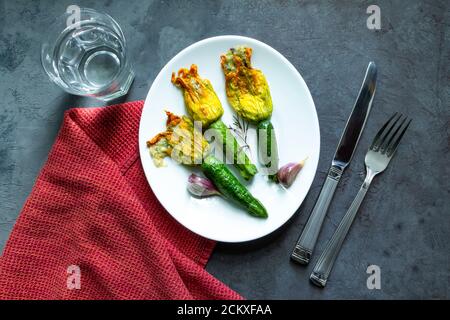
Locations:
287 173
201 187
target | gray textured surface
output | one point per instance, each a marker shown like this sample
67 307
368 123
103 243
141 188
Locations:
403 225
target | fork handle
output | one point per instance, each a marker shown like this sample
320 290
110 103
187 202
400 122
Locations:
307 240
323 267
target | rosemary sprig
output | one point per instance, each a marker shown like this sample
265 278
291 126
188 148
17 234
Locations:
240 128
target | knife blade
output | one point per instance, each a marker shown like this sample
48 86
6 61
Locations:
357 120
342 157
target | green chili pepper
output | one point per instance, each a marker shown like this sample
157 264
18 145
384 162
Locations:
240 159
231 187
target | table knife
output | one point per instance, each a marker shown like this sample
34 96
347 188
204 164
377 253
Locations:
342 157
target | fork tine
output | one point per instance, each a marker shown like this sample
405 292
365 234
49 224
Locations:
382 144
380 132
392 148
387 141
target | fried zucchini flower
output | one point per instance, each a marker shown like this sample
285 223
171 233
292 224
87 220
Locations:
181 141
247 88
201 100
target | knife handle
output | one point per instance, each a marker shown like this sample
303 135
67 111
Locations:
307 240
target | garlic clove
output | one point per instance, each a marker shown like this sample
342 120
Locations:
201 187
286 174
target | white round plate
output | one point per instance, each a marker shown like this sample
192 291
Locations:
297 130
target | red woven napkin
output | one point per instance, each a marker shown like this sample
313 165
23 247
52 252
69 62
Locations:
92 208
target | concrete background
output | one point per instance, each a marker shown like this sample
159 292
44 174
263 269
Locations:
403 225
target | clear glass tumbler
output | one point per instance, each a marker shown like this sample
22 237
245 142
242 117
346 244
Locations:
86 55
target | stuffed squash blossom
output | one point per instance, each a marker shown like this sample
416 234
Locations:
200 98
247 88
181 141
249 94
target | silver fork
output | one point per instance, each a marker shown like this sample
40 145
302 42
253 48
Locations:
377 159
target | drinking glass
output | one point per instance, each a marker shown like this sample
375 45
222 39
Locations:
87 56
